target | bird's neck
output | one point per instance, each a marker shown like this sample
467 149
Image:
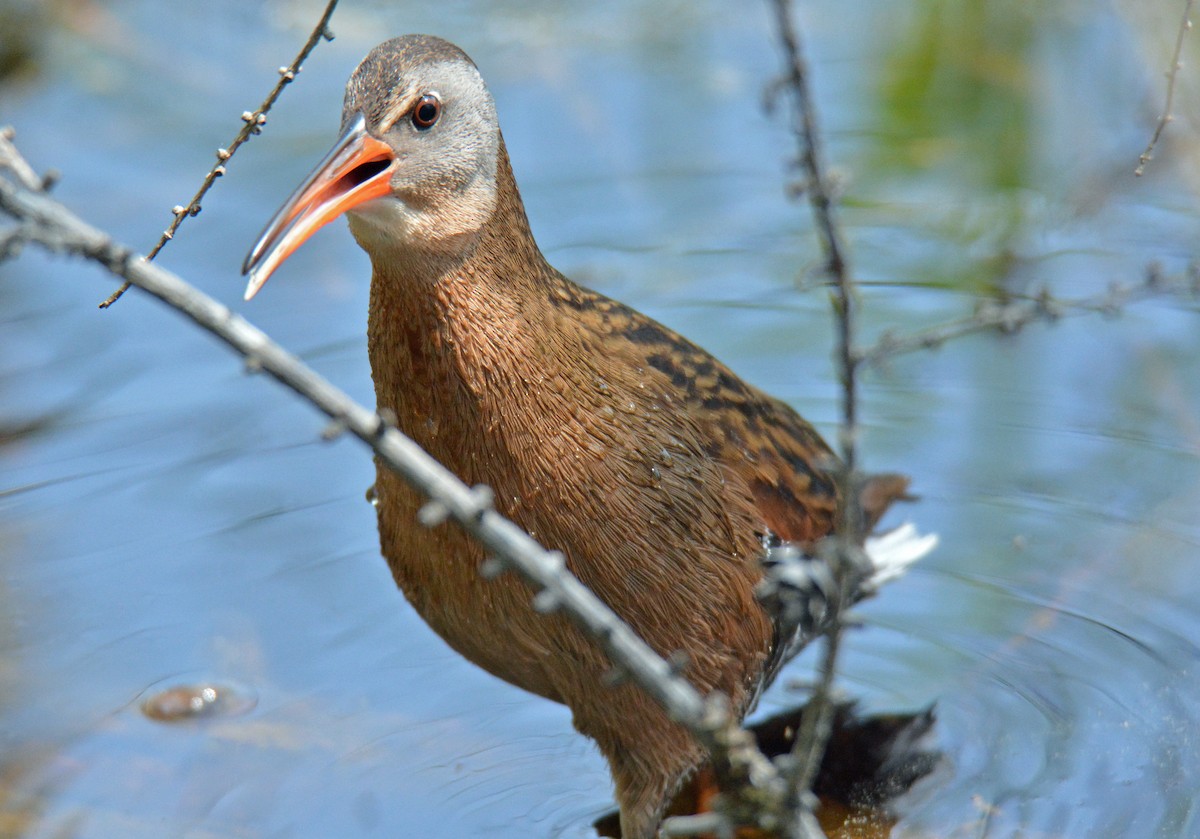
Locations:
450 326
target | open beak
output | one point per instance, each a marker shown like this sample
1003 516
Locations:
355 171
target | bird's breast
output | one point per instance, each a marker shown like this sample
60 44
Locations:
587 450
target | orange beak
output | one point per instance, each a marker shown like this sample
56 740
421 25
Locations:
356 170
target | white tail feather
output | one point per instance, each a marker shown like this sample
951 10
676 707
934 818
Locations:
892 553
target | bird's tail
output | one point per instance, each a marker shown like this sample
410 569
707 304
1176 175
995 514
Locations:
797 588
893 552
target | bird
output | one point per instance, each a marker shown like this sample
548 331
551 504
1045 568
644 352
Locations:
659 474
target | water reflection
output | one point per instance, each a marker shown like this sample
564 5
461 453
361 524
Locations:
162 514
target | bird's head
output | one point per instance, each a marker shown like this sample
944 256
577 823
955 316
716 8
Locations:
415 165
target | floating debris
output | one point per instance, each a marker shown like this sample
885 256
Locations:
180 703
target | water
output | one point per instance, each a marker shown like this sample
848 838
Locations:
167 520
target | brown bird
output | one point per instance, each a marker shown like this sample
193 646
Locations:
657 472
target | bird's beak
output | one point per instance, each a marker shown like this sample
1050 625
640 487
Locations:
356 170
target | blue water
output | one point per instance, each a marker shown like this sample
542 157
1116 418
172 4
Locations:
174 520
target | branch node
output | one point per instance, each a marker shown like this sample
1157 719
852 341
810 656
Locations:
433 513
492 567
387 419
12 242
546 602
1172 76
115 257
482 499
333 429
716 711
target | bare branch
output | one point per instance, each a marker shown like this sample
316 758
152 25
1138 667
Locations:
21 170
752 780
12 241
816 187
1014 312
252 123
843 552
1172 76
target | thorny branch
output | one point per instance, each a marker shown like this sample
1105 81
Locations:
742 767
20 168
843 552
1007 315
1172 76
1013 313
252 123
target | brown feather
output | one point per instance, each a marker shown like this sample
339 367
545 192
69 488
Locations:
609 437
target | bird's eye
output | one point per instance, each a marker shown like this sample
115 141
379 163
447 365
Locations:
426 112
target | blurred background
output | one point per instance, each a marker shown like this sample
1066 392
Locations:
166 519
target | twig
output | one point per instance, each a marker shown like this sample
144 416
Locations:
12 241
819 196
1172 77
843 551
252 123
13 162
755 780
1014 312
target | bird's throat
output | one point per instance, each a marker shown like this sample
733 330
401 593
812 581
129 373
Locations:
453 322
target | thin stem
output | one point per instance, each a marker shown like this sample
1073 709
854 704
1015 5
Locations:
1172 76
817 723
1012 314
252 123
